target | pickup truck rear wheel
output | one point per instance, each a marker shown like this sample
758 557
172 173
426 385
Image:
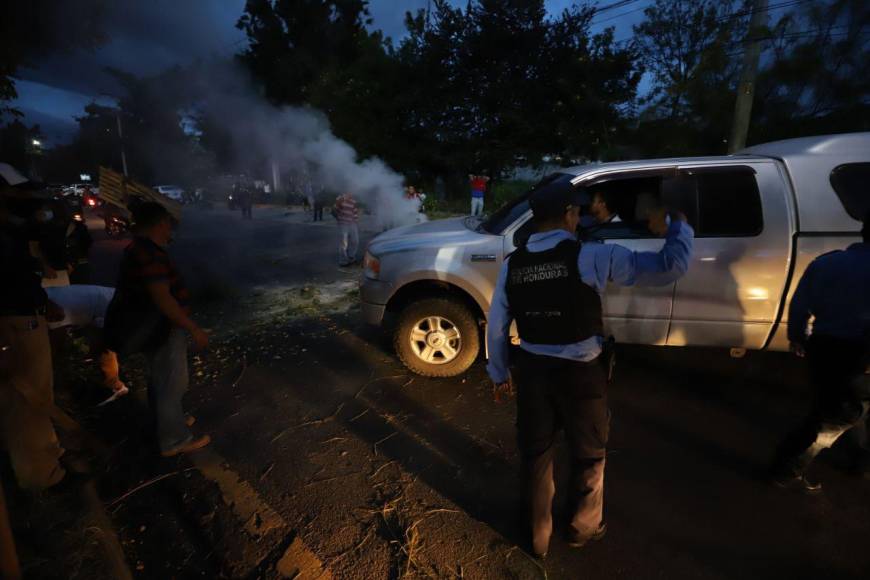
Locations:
437 337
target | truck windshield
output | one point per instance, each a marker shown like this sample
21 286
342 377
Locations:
510 212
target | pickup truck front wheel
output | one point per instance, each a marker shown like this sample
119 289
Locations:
437 337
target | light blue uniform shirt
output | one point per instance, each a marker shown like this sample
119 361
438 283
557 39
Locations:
598 265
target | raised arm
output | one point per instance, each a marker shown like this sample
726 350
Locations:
627 268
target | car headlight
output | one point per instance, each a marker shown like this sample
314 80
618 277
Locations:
371 267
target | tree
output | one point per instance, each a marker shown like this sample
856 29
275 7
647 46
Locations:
688 46
817 77
293 43
35 28
505 85
592 85
158 149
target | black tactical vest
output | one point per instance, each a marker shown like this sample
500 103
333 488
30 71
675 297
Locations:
547 298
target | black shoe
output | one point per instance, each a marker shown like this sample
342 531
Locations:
798 483
576 540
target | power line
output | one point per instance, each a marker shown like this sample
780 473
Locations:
620 15
798 34
768 9
613 6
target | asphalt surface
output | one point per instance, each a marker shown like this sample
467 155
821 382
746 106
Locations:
383 474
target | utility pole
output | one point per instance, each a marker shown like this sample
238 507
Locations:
746 88
121 138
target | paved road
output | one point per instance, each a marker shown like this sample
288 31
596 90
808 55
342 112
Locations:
382 474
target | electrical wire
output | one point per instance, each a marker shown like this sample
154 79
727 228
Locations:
771 7
614 17
615 5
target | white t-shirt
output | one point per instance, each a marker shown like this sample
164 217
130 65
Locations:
83 304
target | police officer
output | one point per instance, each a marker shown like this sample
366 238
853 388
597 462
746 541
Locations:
835 289
552 287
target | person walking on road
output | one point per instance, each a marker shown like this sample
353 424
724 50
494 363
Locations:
26 379
347 214
247 201
478 190
318 206
835 289
552 287
149 313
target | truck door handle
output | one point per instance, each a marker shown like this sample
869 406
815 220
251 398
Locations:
483 257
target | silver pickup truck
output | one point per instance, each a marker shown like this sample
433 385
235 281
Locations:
760 217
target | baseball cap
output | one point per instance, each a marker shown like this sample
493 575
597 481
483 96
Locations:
555 194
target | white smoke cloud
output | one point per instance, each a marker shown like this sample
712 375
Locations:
301 142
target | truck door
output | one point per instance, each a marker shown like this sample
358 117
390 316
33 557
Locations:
634 314
732 294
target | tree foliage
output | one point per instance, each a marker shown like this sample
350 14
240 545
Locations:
495 84
35 28
818 75
483 87
813 76
688 48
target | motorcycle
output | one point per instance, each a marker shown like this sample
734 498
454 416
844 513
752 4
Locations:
116 226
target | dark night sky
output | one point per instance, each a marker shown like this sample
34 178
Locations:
146 37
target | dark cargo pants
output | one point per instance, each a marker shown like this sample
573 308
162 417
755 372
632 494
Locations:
842 400
555 394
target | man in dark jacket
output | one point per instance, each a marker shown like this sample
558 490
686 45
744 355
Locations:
835 290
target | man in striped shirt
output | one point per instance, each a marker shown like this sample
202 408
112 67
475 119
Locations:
347 214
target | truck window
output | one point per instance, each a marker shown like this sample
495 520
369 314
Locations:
506 215
850 182
630 202
729 203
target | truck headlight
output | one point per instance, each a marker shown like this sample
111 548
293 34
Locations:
371 267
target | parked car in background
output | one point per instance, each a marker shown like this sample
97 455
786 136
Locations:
760 217
173 192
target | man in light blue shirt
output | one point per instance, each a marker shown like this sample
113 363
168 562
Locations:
552 287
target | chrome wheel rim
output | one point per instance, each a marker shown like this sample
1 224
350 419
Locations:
435 340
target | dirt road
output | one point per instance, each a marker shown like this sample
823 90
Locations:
338 463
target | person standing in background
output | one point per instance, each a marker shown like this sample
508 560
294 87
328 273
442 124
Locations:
478 190
307 191
318 205
247 200
347 214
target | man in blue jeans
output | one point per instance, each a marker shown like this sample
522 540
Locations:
150 314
